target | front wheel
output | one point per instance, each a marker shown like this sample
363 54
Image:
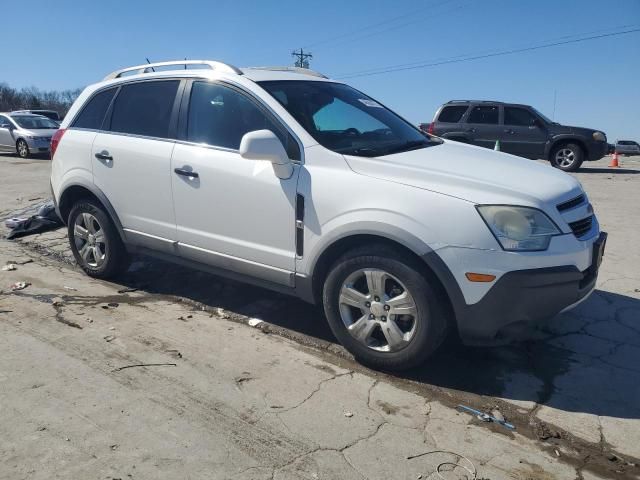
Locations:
382 309
22 149
567 157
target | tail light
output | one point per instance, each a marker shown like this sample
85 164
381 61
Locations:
55 140
432 129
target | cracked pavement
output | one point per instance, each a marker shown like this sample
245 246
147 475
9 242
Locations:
281 400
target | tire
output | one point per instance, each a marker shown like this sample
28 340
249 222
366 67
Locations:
567 157
22 149
100 255
417 334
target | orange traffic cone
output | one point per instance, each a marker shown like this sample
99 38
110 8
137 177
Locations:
614 160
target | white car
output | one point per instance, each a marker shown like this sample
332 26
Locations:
284 178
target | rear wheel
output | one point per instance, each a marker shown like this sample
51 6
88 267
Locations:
567 157
382 308
22 149
95 242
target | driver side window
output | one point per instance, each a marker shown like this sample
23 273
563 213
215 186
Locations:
220 116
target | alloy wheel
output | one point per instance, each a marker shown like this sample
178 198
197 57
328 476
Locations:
565 157
23 149
378 310
90 240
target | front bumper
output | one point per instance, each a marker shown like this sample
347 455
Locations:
38 146
596 150
524 297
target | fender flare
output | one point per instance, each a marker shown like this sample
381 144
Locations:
96 192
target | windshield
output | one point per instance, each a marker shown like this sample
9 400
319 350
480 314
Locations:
543 116
34 122
344 120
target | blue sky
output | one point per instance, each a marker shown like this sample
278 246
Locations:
73 43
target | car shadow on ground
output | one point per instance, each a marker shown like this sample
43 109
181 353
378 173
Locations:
614 170
586 361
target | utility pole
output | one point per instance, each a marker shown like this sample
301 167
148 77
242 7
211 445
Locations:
302 59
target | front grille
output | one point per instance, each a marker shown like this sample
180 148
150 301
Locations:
581 227
569 204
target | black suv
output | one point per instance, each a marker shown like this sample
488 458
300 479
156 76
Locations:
521 130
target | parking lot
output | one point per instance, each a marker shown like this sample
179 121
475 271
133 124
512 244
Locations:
246 383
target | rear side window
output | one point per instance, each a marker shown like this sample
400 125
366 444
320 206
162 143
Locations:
452 114
144 108
484 114
518 117
220 116
93 112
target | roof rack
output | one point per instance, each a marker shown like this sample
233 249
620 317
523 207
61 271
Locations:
302 71
149 67
473 101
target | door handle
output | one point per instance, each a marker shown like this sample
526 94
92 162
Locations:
508 130
471 130
104 155
186 173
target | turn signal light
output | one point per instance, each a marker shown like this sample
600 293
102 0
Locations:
479 277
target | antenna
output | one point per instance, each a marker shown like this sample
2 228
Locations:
153 69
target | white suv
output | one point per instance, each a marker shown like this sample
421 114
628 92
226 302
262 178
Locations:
284 178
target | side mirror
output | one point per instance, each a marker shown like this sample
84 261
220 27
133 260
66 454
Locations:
5 125
537 123
264 145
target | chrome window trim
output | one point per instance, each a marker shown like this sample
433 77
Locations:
224 82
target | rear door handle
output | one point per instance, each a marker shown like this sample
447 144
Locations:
508 130
186 173
471 130
104 155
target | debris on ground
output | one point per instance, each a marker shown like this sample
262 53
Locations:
254 322
19 286
146 365
44 220
110 338
485 417
544 432
9 267
57 302
14 222
70 288
348 414
455 464
497 415
128 290
175 353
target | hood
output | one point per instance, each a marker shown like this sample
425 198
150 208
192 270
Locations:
475 174
40 132
560 129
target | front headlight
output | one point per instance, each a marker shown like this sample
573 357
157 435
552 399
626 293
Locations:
599 137
519 228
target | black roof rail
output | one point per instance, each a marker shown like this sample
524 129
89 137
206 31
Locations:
474 101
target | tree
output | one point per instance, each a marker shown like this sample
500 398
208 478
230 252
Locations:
33 98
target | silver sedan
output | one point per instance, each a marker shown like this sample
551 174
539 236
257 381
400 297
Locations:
26 134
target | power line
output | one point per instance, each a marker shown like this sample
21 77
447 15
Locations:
368 27
405 24
492 50
397 68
